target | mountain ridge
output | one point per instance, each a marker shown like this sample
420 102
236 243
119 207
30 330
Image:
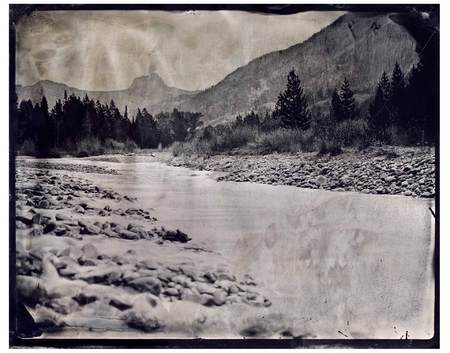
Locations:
138 95
359 46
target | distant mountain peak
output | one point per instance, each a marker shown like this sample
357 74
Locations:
151 80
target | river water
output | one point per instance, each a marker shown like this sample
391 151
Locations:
338 264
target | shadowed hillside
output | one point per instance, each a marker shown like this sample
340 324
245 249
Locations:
359 46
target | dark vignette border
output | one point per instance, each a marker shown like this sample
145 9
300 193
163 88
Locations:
17 11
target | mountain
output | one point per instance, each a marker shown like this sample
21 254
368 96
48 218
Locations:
143 92
359 46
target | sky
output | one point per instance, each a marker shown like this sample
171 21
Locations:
106 50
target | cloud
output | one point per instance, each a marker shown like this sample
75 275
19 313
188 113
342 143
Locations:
105 50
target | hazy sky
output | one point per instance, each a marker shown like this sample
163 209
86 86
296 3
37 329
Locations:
106 50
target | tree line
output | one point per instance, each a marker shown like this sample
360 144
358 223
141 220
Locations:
403 110
81 125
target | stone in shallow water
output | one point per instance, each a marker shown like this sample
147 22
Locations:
30 289
175 236
219 297
171 292
61 217
44 203
83 299
91 229
79 209
126 234
110 233
25 220
120 304
37 230
20 225
147 284
83 261
90 251
210 277
147 314
192 296
50 227
70 270
63 305
205 288
60 231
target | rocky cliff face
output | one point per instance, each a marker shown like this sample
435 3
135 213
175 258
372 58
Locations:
358 46
143 92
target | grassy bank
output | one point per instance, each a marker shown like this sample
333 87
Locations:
321 137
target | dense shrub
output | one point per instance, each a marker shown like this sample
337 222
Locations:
352 132
329 147
285 140
88 147
235 138
93 146
28 148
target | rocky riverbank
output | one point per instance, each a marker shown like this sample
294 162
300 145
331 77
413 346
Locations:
399 171
89 258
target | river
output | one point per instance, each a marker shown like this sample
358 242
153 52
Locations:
337 264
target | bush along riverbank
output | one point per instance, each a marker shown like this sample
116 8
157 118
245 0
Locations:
399 171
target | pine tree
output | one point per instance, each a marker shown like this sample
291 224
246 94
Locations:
348 106
398 98
46 131
292 105
385 86
379 112
336 106
57 115
397 78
